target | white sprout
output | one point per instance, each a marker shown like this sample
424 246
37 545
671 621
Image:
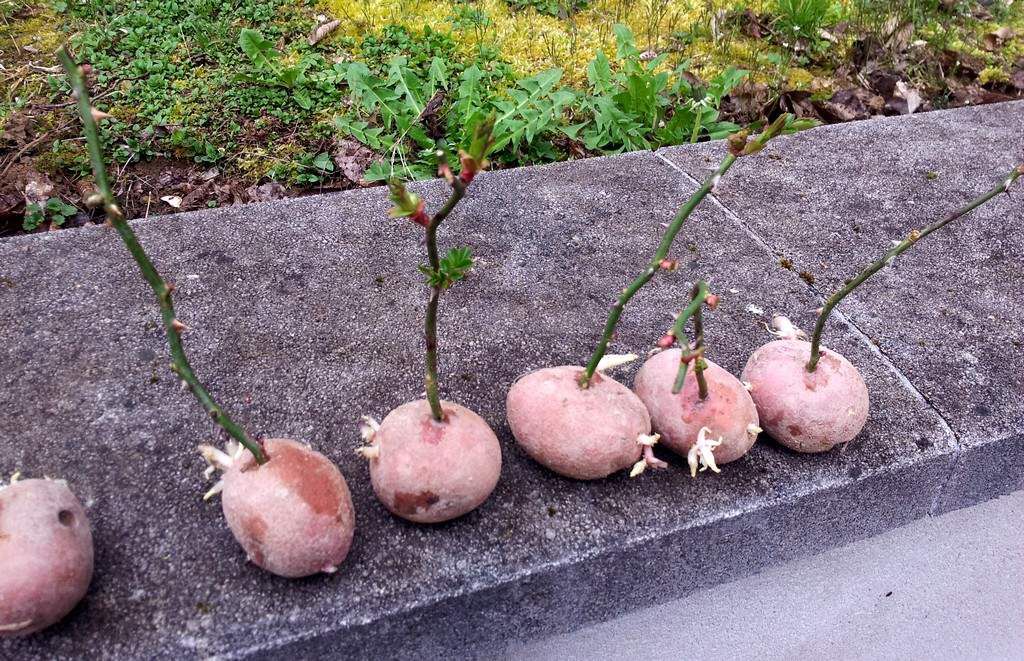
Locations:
368 428
784 329
219 460
702 453
611 361
648 459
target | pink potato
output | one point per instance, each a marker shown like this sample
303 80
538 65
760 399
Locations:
582 433
428 471
728 412
293 515
806 411
46 555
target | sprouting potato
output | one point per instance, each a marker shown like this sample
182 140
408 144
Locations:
429 471
728 413
806 411
46 555
582 433
292 515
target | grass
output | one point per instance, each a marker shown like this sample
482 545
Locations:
184 81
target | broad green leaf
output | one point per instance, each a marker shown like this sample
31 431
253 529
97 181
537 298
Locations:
404 80
259 50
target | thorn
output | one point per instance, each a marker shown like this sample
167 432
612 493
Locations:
97 115
178 327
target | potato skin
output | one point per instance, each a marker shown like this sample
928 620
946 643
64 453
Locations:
585 434
728 410
293 515
428 471
806 411
46 555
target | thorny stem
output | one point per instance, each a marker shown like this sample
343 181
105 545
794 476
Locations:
458 192
652 267
915 235
173 327
696 353
739 144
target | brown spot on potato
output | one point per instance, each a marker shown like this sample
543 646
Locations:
794 430
409 503
256 528
312 481
66 518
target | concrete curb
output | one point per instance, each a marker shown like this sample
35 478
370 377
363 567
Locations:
307 314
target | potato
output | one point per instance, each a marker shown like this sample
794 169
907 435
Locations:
582 433
293 515
728 412
428 471
46 555
806 411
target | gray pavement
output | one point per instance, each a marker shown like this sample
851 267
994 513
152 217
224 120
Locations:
945 587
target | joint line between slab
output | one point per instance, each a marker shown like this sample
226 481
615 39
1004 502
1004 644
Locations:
860 334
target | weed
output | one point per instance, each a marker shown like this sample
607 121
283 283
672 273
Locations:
54 209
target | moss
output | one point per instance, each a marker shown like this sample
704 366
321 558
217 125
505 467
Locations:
993 75
531 41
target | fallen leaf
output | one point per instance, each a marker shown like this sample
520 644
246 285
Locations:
322 31
18 129
172 201
267 192
994 40
910 95
745 102
352 158
1018 79
852 104
899 38
37 187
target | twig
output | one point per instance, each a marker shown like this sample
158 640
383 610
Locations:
694 354
739 146
409 205
915 235
163 290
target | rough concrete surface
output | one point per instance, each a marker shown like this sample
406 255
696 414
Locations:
306 314
946 587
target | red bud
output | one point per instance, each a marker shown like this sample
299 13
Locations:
666 341
711 300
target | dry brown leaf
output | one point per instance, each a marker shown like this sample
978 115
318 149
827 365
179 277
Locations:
352 158
322 31
910 95
994 40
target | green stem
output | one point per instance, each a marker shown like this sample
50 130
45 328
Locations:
652 267
696 353
173 327
916 235
458 192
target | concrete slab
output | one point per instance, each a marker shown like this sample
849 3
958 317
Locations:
948 313
306 314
